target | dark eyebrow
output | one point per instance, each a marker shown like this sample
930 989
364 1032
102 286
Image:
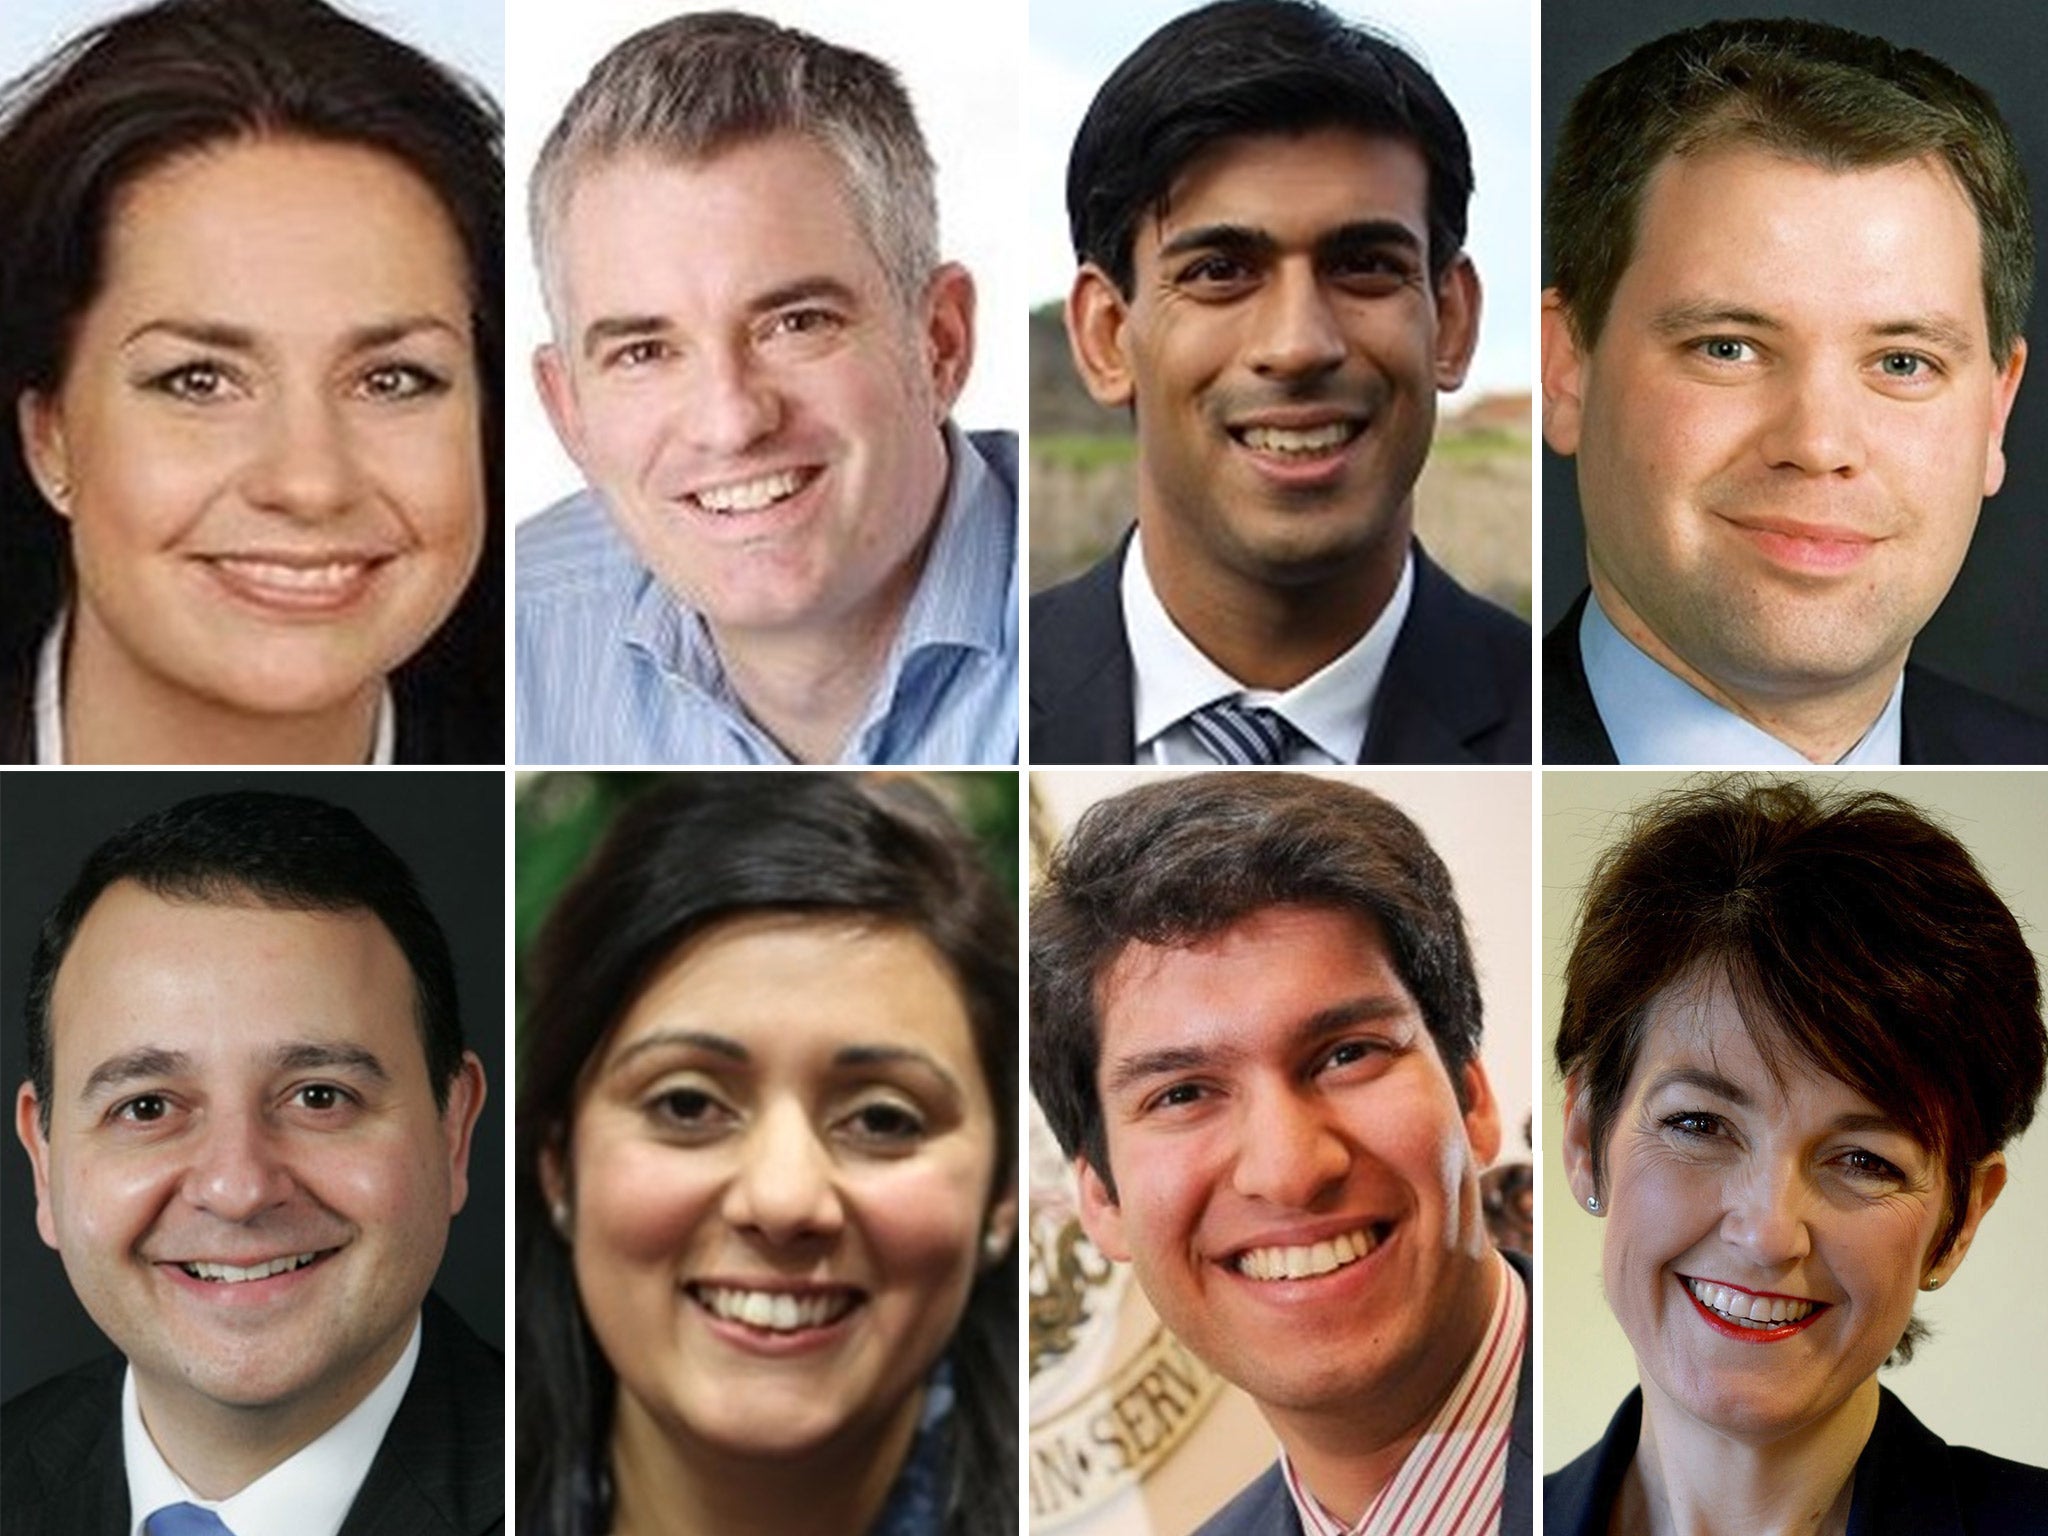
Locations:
132 1066
1232 239
680 1040
205 333
895 1055
1706 315
1699 1077
1142 1066
323 1055
385 333
805 290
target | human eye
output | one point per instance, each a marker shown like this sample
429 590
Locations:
884 1124
401 381
1726 350
142 1109
1695 1124
1373 270
1909 368
195 383
689 1111
645 352
1866 1167
1351 1053
324 1099
1215 273
1175 1096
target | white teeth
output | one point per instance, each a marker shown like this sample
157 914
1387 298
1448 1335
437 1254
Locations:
750 495
1302 1263
1750 1311
1309 440
774 1311
234 1274
334 576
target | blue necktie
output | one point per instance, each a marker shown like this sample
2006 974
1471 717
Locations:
1246 735
184 1520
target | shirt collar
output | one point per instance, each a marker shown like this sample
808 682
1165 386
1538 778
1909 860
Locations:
1654 716
306 1494
1460 1459
49 705
962 600
1171 677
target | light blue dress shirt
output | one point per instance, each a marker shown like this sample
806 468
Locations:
1653 716
613 668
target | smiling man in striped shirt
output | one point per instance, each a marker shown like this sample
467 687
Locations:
1255 1027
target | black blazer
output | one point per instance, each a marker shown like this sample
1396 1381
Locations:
1456 689
440 1471
1909 1482
1941 721
1265 1508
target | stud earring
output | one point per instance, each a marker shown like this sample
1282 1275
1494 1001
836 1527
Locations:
559 1214
60 492
1593 1204
993 1246
1931 1283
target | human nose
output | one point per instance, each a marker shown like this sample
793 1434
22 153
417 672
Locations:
1766 1217
1298 331
307 467
237 1169
1818 427
733 403
1290 1155
785 1186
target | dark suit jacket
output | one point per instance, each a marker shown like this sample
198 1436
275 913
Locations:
1265 1508
1909 1482
440 1471
1941 721
1456 688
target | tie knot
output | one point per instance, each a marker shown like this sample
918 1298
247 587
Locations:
184 1520
1247 735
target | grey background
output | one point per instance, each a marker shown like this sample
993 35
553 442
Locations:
449 826
1992 632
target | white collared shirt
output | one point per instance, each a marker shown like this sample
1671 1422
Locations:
306 1494
1171 678
1653 716
49 705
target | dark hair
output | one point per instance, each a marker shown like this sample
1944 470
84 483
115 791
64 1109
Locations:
255 847
136 92
686 856
1179 859
1803 89
1241 67
1858 939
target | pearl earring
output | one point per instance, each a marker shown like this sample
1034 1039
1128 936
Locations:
1593 1204
559 1213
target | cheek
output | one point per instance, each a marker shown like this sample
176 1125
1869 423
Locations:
923 1216
639 1205
432 472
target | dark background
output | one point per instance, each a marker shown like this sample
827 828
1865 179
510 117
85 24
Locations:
449 826
1992 632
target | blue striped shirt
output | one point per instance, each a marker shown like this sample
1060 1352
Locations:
612 667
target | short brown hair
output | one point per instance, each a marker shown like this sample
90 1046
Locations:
1178 859
1857 937
1834 98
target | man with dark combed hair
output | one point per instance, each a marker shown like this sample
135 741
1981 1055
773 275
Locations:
1268 205
1255 1028
1790 267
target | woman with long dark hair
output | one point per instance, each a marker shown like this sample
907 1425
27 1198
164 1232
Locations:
766 1185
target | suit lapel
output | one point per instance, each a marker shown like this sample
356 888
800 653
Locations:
1438 693
1081 694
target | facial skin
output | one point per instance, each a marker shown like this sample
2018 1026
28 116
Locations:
1284 288
267 437
1274 1087
826 1146
234 1085
1787 425
770 364
1799 1189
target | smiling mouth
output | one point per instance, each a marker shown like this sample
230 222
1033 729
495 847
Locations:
1746 1309
236 1274
1309 1260
775 1311
1299 442
321 578
738 497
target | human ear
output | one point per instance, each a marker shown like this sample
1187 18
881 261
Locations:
40 420
999 1229
1096 316
949 333
1457 321
551 378
28 1125
1987 1182
1101 1217
466 1091
554 1186
1578 1143
1482 1113
1562 374
2004 388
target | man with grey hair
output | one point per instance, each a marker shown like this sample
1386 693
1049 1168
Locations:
788 553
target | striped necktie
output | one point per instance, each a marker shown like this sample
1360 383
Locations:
1241 734
184 1520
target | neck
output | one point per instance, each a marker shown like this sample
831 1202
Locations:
118 711
671 1484
1345 1456
219 1448
1818 721
1690 1479
1264 633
